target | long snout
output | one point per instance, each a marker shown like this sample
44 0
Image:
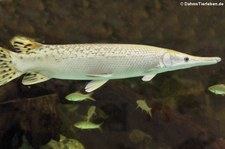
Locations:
205 60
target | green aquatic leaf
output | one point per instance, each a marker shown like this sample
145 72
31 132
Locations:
63 143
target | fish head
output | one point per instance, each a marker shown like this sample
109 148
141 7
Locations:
140 102
173 60
212 89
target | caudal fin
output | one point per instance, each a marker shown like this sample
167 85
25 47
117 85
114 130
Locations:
7 71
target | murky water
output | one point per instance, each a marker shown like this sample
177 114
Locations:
184 113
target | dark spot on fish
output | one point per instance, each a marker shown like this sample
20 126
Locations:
15 45
5 75
16 42
28 45
21 57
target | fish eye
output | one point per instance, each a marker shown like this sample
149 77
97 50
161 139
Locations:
186 59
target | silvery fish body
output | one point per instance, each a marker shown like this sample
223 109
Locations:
96 62
87 125
90 61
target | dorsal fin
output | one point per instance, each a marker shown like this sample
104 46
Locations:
24 45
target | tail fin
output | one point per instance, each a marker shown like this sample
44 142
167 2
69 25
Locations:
7 71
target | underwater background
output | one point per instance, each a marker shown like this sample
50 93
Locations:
185 115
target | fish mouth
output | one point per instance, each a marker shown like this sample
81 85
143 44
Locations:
214 59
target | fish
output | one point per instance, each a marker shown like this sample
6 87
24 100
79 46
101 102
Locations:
87 125
91 112
143 105
218 89
77 96
97 62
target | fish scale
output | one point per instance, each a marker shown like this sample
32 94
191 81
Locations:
117 60
90 50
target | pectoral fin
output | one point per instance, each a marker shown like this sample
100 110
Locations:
33 78
93 85
148 77
104 75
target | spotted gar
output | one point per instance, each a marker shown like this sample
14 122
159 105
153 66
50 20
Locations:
96 62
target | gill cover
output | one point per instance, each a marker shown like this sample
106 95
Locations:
165 60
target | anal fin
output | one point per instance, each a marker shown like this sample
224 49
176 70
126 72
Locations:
93 85
34 78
